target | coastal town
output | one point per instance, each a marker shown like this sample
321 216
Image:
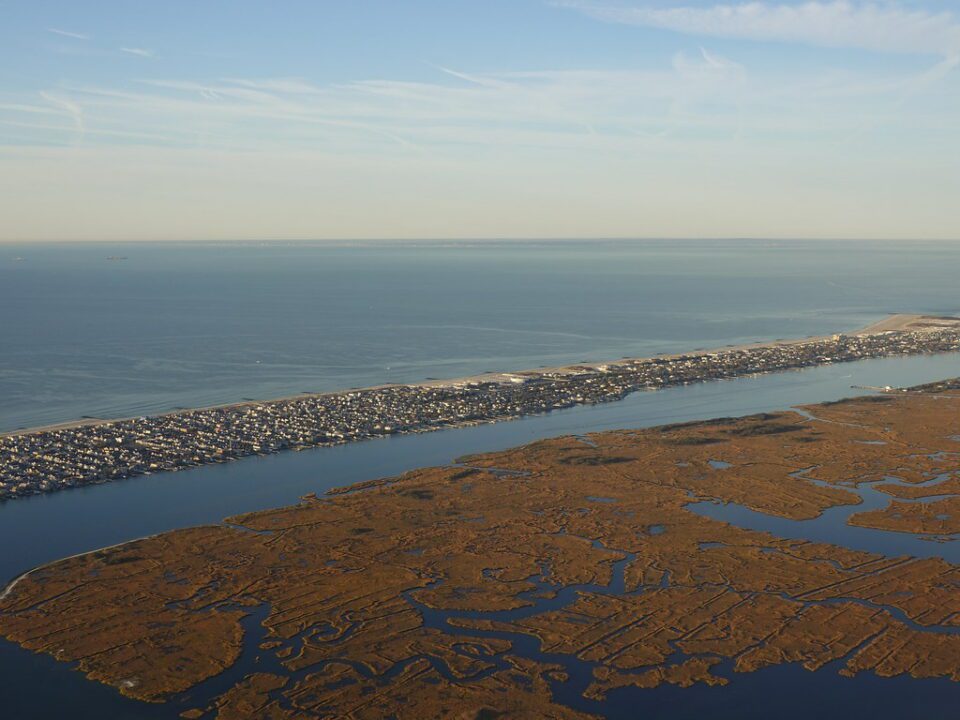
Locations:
48 460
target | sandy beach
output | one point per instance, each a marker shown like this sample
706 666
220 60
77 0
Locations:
899 322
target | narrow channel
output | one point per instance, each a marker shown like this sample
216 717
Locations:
40 529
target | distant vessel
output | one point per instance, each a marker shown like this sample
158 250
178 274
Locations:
116 257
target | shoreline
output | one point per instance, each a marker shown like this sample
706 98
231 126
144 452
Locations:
611 521
897 322
95 452
931 388
23 576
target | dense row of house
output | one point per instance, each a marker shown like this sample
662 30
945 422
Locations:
50 460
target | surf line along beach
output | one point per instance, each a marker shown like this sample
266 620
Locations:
93 451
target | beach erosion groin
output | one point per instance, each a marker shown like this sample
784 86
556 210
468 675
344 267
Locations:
88 452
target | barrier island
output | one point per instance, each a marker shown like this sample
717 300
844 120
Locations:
88 452
533 582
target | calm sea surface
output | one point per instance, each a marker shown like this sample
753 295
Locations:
111 330
43 528
193 325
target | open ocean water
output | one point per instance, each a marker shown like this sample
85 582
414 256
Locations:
114 330
42 528
193 325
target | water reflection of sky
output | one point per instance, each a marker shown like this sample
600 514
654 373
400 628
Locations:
40 529
831 526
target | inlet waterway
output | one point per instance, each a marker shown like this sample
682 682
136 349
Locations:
831 525
40 529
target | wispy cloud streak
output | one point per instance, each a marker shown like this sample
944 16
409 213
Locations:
141 52
883 27
699 99
71 109
69 34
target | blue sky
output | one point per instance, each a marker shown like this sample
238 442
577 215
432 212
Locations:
127 119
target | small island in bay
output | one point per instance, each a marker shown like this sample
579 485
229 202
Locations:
537 581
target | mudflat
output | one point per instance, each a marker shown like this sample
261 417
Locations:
495 586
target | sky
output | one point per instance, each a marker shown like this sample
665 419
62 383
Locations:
344 119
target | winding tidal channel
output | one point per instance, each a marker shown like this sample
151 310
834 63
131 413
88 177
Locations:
41 529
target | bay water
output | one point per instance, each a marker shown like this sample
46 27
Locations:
114 330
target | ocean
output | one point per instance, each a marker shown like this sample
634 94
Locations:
42 528
116 330
187 325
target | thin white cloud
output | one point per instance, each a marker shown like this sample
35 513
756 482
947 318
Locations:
474 79
25 108
708 66
720 63
699 146
141 52
69 107
124 134
699 97
69 34
278 85
883 27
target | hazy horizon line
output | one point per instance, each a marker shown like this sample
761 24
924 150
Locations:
474 239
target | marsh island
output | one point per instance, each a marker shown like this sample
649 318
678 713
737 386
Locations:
537 581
